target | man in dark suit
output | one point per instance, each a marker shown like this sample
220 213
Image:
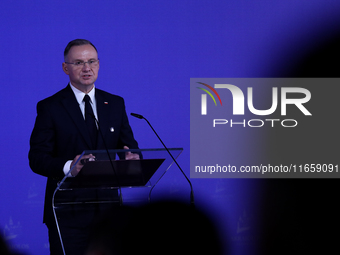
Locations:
61 134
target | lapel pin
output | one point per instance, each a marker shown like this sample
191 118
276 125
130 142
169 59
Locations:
112 129
106 102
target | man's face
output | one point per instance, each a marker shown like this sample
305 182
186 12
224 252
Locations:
82 76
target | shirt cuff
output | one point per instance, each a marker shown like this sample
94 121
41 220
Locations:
67 167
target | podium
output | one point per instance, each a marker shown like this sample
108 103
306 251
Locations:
99 184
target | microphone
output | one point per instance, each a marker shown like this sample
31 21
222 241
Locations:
108 154
137 116
192 200
85 160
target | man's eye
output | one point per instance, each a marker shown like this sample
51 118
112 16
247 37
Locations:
78 63
91 61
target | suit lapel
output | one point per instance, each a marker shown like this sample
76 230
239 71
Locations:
71 105
103 116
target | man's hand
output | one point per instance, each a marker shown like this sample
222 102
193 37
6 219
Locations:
79 165
129 155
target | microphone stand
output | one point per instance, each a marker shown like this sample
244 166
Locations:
192 200
108 154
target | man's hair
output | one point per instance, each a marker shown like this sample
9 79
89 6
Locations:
77 42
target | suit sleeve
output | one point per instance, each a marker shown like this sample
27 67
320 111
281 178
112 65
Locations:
126 137
42 156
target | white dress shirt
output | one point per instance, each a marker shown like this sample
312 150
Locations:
80 96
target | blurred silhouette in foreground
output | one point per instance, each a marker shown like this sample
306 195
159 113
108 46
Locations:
4 248
164 227
301 215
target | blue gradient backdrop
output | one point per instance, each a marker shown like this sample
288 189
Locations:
148 50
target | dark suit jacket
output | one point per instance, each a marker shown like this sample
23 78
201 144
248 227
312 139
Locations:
60 133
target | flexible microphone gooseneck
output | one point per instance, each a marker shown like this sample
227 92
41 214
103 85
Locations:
108 154
192 200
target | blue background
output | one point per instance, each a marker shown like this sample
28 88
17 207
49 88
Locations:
148 52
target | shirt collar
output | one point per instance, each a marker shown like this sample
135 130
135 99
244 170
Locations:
80 95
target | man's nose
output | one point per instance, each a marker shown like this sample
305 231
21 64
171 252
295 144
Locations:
86 66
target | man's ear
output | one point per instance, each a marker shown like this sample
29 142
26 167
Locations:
65 68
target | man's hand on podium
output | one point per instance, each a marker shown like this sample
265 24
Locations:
79 165
129 155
